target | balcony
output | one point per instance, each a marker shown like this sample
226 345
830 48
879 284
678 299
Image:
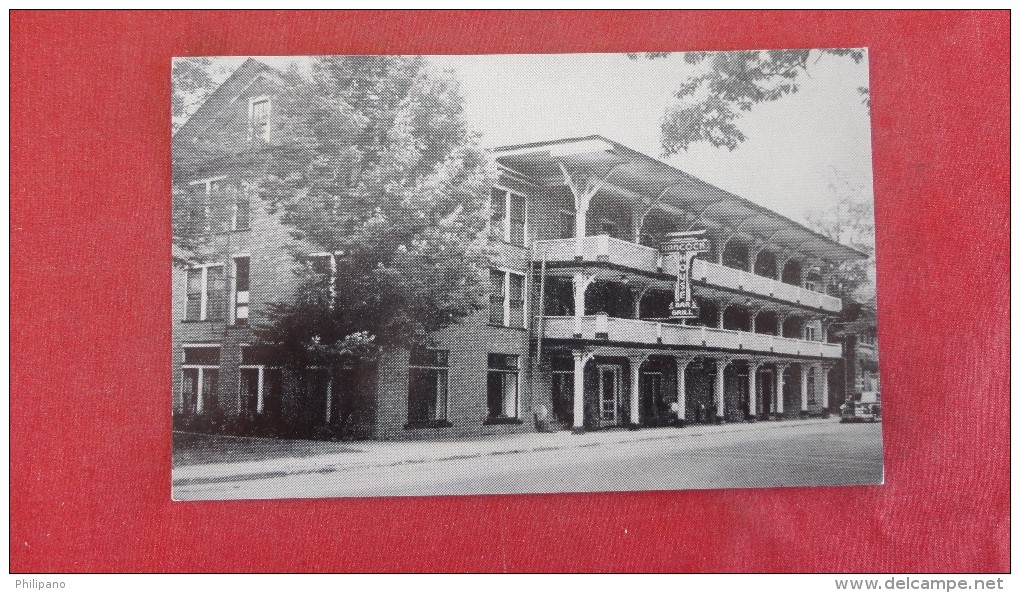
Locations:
612 251
652 334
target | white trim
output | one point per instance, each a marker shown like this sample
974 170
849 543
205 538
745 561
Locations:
259 397
517 382
235 300
199 384
507 201
516 175
506 296
204 296
206 181
556 149
439 381
617 383
332 271
269 116
200 345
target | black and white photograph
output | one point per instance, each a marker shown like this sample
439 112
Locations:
508 274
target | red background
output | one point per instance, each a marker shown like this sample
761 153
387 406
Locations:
90 338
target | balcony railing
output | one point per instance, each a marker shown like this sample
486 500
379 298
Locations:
653 333
614 251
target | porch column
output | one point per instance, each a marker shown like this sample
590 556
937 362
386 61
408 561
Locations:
780 322
754 320
803 389
581 358
753 251
260 403
681 389
720 389
639 295
583 189
581 282
823 374
780 379
781 261
329 395
722 313
635 385
752 389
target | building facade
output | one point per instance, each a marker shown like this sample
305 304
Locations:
578 333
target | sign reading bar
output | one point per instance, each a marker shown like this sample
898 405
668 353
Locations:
685 245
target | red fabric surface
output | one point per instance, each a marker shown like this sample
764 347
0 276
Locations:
90 311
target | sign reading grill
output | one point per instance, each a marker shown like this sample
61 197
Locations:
686 245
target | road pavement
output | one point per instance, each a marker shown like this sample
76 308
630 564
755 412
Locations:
793 453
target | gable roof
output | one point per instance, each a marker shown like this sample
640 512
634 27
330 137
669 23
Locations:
638 174
219 100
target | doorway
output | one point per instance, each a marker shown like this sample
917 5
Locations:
609 395
652 408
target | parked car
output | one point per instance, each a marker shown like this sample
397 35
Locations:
866 407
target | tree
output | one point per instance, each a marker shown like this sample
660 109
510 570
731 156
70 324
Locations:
850 220
380 170
191 81
708 105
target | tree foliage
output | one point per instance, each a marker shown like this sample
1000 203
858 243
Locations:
708 105
850 220
380 169
191 81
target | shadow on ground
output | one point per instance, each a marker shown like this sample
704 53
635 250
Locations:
198 449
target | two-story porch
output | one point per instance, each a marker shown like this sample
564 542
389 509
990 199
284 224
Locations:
609 352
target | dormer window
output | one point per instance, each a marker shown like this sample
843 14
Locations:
259 110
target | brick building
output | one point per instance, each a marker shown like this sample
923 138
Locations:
578 332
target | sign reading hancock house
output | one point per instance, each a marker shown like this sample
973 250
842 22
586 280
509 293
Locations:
685 245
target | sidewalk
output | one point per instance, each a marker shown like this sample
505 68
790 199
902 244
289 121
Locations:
368 454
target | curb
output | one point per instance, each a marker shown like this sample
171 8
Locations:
339 468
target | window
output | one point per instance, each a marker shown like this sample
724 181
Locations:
200 376
242 267
205 214
259 110
324 264
497 296
502 388
428 387
508 222
506 299
810 333
515 304
206 293
242 211
260 389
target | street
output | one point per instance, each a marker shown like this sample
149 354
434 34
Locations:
697 457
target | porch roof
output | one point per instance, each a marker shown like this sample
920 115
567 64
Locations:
643 177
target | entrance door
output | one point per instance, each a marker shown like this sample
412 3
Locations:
651 399
609 395
563 398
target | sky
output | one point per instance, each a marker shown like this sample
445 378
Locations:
794 146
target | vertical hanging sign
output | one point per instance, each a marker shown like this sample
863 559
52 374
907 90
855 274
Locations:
685 245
